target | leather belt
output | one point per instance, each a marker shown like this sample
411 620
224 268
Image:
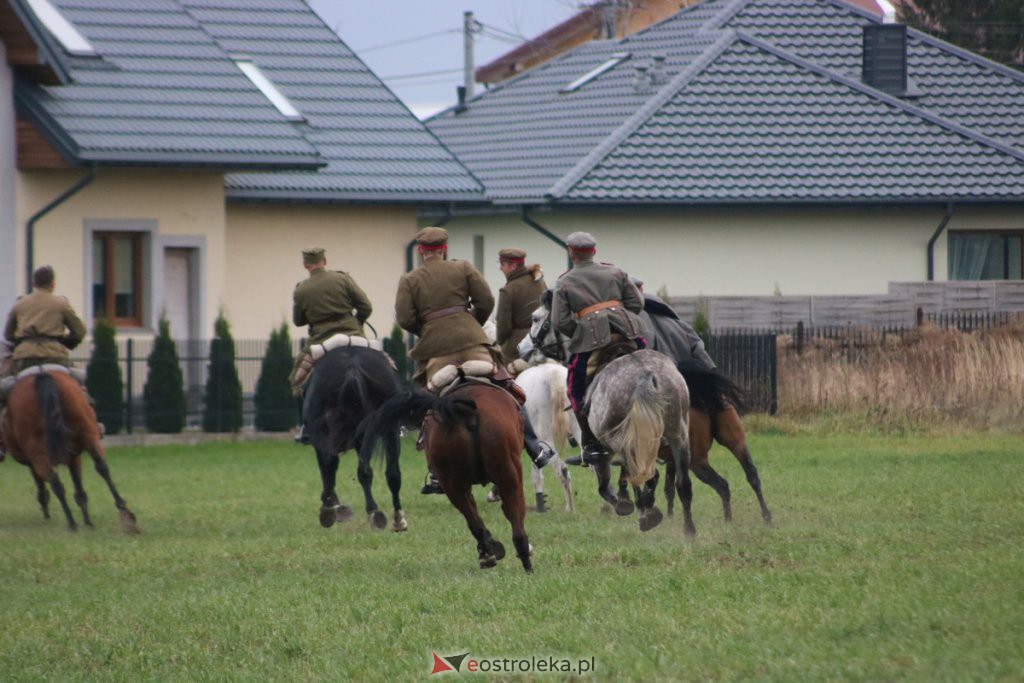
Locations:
443 312
598 307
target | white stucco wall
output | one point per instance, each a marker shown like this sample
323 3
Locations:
743 251
264 262
173 204
8 226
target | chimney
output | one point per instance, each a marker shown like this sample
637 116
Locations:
460 93
658 74
885 58
642 83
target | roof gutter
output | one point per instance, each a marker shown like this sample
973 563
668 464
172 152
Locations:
30 226
935 236
544 231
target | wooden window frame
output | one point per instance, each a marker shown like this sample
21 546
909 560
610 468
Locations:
107 240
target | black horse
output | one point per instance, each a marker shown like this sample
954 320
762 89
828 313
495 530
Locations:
347 385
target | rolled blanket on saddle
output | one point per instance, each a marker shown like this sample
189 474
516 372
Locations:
7 383
315 352
489 372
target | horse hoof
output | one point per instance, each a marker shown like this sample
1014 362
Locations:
624 507
378 520
129 523
497 549
689 530
400 523
344 513
493 497
651 519
488 561
328 516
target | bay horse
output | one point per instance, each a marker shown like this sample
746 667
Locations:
716 403
49 422
347 384
638 402
472 435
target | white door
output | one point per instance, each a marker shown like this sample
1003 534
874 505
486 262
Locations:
177 292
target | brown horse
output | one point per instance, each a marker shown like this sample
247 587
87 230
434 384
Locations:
49 422
472 435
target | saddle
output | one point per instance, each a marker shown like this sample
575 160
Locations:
317 351
448 378
7 383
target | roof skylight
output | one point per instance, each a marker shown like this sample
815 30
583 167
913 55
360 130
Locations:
62 29
616 59
269 90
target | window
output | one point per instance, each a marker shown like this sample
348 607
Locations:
986 255
62 29
269 90
615 60
117 277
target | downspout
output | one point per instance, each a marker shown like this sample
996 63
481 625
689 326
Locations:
544 231
931 243
411 247
30 226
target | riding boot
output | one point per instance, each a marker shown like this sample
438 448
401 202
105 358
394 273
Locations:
540 453
593 451
432 485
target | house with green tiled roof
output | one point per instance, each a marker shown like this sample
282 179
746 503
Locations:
174 156
751 147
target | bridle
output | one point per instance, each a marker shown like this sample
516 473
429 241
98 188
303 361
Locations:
553 349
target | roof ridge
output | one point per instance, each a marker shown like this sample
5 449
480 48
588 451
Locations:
881 96
724 15
635 120
934 41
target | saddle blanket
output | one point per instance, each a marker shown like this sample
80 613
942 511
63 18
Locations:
7 383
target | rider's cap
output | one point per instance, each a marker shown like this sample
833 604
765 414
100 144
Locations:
512 255
313 255
636 281
581 241
432 238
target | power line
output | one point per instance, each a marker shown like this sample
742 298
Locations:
422 74
406 41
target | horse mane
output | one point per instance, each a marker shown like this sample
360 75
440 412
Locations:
57 435
560 422
711 391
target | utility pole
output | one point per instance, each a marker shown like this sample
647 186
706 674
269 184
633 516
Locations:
468 26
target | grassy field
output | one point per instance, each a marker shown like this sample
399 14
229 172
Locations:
891 559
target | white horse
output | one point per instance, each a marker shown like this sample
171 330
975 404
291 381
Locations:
553 420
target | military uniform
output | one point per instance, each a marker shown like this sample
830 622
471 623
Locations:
445 303
517 301
667 333
595 305
43 327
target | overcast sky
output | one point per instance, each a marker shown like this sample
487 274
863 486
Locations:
400 39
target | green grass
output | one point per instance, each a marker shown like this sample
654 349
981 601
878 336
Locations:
891 559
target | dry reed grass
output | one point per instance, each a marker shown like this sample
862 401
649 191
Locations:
930 378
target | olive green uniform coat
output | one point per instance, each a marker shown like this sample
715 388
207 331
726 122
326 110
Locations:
590 283
330 302
517 301
437 285
44 327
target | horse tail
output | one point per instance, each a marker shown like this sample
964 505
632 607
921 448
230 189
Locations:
407 408
638 436
711 391
560 403
53 418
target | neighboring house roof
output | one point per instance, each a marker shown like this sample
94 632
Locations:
375 148
764 102
161 92
166 90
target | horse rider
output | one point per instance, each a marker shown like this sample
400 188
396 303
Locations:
596 307
331 303
41 328
445 304
517 301
669 334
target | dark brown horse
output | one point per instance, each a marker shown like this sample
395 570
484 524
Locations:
49 422
472 435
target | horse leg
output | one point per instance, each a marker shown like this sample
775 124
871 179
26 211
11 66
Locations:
58 490
489 550
364 473
681 455
331 509
700 449
563 476
730 433
128 521
393 474
42 494
81 499
624 506
670 483
537 478
650 515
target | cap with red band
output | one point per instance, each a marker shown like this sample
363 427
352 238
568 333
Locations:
432 239
582 242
